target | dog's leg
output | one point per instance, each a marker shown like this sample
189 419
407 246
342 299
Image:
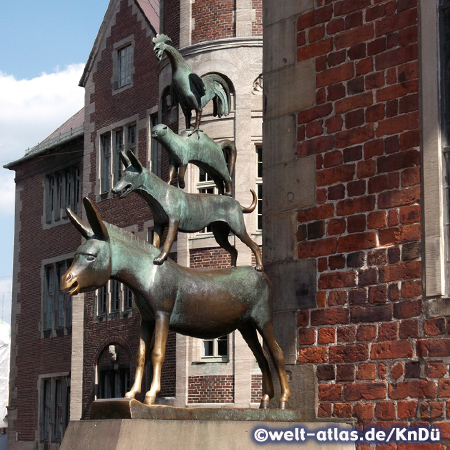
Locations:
221 231
246 239
171 235
142 357
158 354
181 173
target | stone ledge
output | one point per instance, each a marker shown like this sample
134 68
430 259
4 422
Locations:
125 408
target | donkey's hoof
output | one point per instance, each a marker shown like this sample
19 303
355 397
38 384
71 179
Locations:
130 394
150 400
264 404
259 268
158 261
283 404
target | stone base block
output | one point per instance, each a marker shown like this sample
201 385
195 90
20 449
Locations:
172 428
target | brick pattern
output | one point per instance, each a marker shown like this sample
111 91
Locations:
171 17
36 355
213 20
257 22
210 258
376 357
211 389
256 387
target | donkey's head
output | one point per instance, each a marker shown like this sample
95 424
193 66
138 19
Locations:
91 267
131 178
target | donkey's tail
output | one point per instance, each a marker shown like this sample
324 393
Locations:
252 207
229 150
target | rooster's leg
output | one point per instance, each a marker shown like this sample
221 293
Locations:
198 118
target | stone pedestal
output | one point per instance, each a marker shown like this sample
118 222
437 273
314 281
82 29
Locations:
138 427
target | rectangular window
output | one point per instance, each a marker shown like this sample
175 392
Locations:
120 139
259 186
216 349
206 185
55 407
57 305
112 299
62 191
125 64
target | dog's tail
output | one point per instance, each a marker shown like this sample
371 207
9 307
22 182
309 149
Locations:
229 150
252 207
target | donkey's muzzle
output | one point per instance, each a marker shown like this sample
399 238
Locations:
70 282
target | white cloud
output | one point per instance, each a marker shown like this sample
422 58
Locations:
29 111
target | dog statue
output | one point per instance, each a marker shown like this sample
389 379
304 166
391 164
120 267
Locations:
186 212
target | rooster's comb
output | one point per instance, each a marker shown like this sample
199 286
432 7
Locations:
161 39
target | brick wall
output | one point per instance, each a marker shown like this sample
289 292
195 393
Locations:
256 388
171 21
213 20
257 22
377 358
211 389
36 355
210 258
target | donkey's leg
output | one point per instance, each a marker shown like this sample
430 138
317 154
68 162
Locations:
248 331
142 357
246 239
220 231
171 235
158 354
277 355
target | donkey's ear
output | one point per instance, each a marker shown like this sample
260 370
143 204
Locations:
85 231
124 158
135 162
95 221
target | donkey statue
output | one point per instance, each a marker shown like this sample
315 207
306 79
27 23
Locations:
177 210
204 304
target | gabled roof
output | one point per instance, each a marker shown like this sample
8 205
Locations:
71 129
150 11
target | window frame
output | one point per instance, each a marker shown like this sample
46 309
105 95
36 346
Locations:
114 300
62 190
54 405
123 64
57 311
110 164
216 357
259 187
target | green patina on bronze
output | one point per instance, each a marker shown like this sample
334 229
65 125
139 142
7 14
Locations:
188 89
201 151
186 212
199 303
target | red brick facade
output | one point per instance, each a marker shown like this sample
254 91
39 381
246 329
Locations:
211 389
213 20
377 358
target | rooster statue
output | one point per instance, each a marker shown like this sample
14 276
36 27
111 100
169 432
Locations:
190 90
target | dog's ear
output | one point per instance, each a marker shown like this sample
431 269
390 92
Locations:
124 158
134 161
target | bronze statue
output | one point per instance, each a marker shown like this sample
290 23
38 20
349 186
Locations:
203 152
190 90
186 212
199 303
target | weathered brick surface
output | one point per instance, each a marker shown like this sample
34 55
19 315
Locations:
364 133
211 389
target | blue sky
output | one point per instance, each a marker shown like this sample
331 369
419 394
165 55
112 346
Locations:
43 48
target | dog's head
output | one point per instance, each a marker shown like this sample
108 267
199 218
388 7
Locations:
131 177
